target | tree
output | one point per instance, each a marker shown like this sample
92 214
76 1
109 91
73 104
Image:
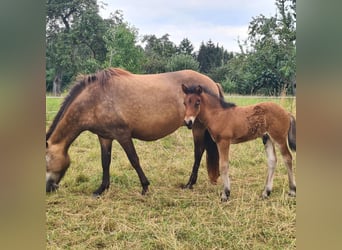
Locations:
185 47
211 56
182 61
123 52
267 62
74 39
157 52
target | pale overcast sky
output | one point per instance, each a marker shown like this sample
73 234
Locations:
222 21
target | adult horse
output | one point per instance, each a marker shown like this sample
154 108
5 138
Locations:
117 105
230 124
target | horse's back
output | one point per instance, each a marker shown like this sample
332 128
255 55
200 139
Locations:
152 105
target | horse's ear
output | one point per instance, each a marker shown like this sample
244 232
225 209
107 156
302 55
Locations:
185 88
198 90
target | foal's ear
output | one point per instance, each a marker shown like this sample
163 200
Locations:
185 88
198 90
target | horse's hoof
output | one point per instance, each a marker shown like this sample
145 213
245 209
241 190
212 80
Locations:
186 186
144 191
96 195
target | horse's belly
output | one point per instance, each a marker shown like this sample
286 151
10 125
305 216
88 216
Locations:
154 131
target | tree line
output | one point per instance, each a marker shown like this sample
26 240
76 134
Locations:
79 40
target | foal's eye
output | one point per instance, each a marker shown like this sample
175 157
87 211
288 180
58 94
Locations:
197 103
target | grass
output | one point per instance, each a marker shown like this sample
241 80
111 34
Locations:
169 217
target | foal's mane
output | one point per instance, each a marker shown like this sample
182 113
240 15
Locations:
82 81
223 103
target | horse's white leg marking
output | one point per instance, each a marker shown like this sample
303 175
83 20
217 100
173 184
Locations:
224 166
288 162
271 164
292 183
224 169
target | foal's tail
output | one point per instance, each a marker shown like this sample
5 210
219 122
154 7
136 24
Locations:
292 133
212 157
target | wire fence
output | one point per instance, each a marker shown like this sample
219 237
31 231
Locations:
228 97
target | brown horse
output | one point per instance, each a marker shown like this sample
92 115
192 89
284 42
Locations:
230 124
117 105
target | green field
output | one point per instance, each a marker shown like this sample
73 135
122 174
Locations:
169 217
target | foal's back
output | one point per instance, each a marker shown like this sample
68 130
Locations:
246 123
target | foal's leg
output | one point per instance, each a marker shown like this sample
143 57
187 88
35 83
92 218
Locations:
287 156
271 164
106 152
128 146
198 134
223 148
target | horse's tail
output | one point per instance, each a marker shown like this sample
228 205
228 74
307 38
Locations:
212 157
292 133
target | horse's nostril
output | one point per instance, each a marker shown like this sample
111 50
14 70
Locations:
51 186
188 124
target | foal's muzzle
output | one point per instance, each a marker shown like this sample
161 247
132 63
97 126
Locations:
189 122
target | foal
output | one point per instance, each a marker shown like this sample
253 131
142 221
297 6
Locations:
230 124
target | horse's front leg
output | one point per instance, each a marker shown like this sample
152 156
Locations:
127 144
223 148
106 152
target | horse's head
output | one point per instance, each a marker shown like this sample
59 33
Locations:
192 101
57 163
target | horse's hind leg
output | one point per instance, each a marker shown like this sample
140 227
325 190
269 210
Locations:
271 164
106 152
285 152
198 135
128 146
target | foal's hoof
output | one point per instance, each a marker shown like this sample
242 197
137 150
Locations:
266 194
225 195
292 193
224 199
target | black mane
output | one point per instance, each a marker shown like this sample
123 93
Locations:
79 86
223 103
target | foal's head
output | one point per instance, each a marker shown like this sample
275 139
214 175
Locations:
57 162
192 101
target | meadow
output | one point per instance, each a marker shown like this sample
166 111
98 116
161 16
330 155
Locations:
169 217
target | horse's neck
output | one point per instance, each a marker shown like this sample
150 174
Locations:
211 107
64 135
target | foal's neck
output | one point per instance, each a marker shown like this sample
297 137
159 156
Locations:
211 107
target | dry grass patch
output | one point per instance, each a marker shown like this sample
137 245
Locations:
169 217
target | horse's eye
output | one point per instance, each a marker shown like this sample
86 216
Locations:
197 103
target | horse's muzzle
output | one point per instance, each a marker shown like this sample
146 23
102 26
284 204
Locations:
51 186
188 123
